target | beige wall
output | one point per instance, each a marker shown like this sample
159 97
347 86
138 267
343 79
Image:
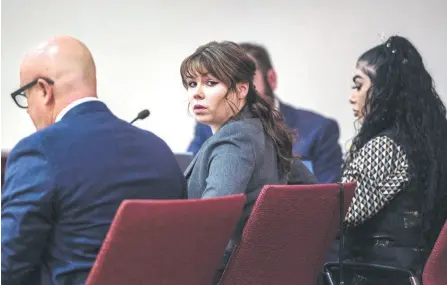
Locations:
139 45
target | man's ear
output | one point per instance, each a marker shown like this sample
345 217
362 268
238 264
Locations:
272 79
47 91
242 89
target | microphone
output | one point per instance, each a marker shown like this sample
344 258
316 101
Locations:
141 116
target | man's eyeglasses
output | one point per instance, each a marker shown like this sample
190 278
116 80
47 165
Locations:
19 96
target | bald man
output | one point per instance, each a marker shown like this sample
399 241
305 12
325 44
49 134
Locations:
64 183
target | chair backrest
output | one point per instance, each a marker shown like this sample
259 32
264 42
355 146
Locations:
287 235
435 271
183 159
167 242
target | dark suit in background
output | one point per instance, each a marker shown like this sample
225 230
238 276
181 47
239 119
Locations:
316 142
64 184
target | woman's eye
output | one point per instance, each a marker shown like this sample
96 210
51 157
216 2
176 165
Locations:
211 83
356 87
192 84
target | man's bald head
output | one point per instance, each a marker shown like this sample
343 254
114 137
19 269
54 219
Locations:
65 60
68 63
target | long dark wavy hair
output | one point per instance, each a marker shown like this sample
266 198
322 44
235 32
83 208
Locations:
230 64
402 97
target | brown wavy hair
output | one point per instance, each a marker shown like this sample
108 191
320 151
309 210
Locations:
230 64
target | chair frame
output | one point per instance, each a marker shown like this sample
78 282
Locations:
366 266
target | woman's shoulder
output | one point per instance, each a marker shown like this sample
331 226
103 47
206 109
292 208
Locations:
380 141
241 128
378 150
244 135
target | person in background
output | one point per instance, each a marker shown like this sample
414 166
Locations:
316 141
65 182
399 160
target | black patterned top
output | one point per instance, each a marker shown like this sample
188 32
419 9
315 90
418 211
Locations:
380 168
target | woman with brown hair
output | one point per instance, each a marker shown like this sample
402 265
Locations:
251 146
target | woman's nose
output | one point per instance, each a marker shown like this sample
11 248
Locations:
197 96
352 99
198 93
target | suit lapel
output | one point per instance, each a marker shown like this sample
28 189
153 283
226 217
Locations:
245 113
191 165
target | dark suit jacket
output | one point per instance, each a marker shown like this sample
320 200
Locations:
238 158
64 184
316 141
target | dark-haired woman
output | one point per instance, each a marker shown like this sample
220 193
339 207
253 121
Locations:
399 160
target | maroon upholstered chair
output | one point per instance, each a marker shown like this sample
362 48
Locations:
167 242
435 271
288 234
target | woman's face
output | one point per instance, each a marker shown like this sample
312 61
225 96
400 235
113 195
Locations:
362 84
211 101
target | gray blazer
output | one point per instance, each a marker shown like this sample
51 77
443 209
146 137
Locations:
238 158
